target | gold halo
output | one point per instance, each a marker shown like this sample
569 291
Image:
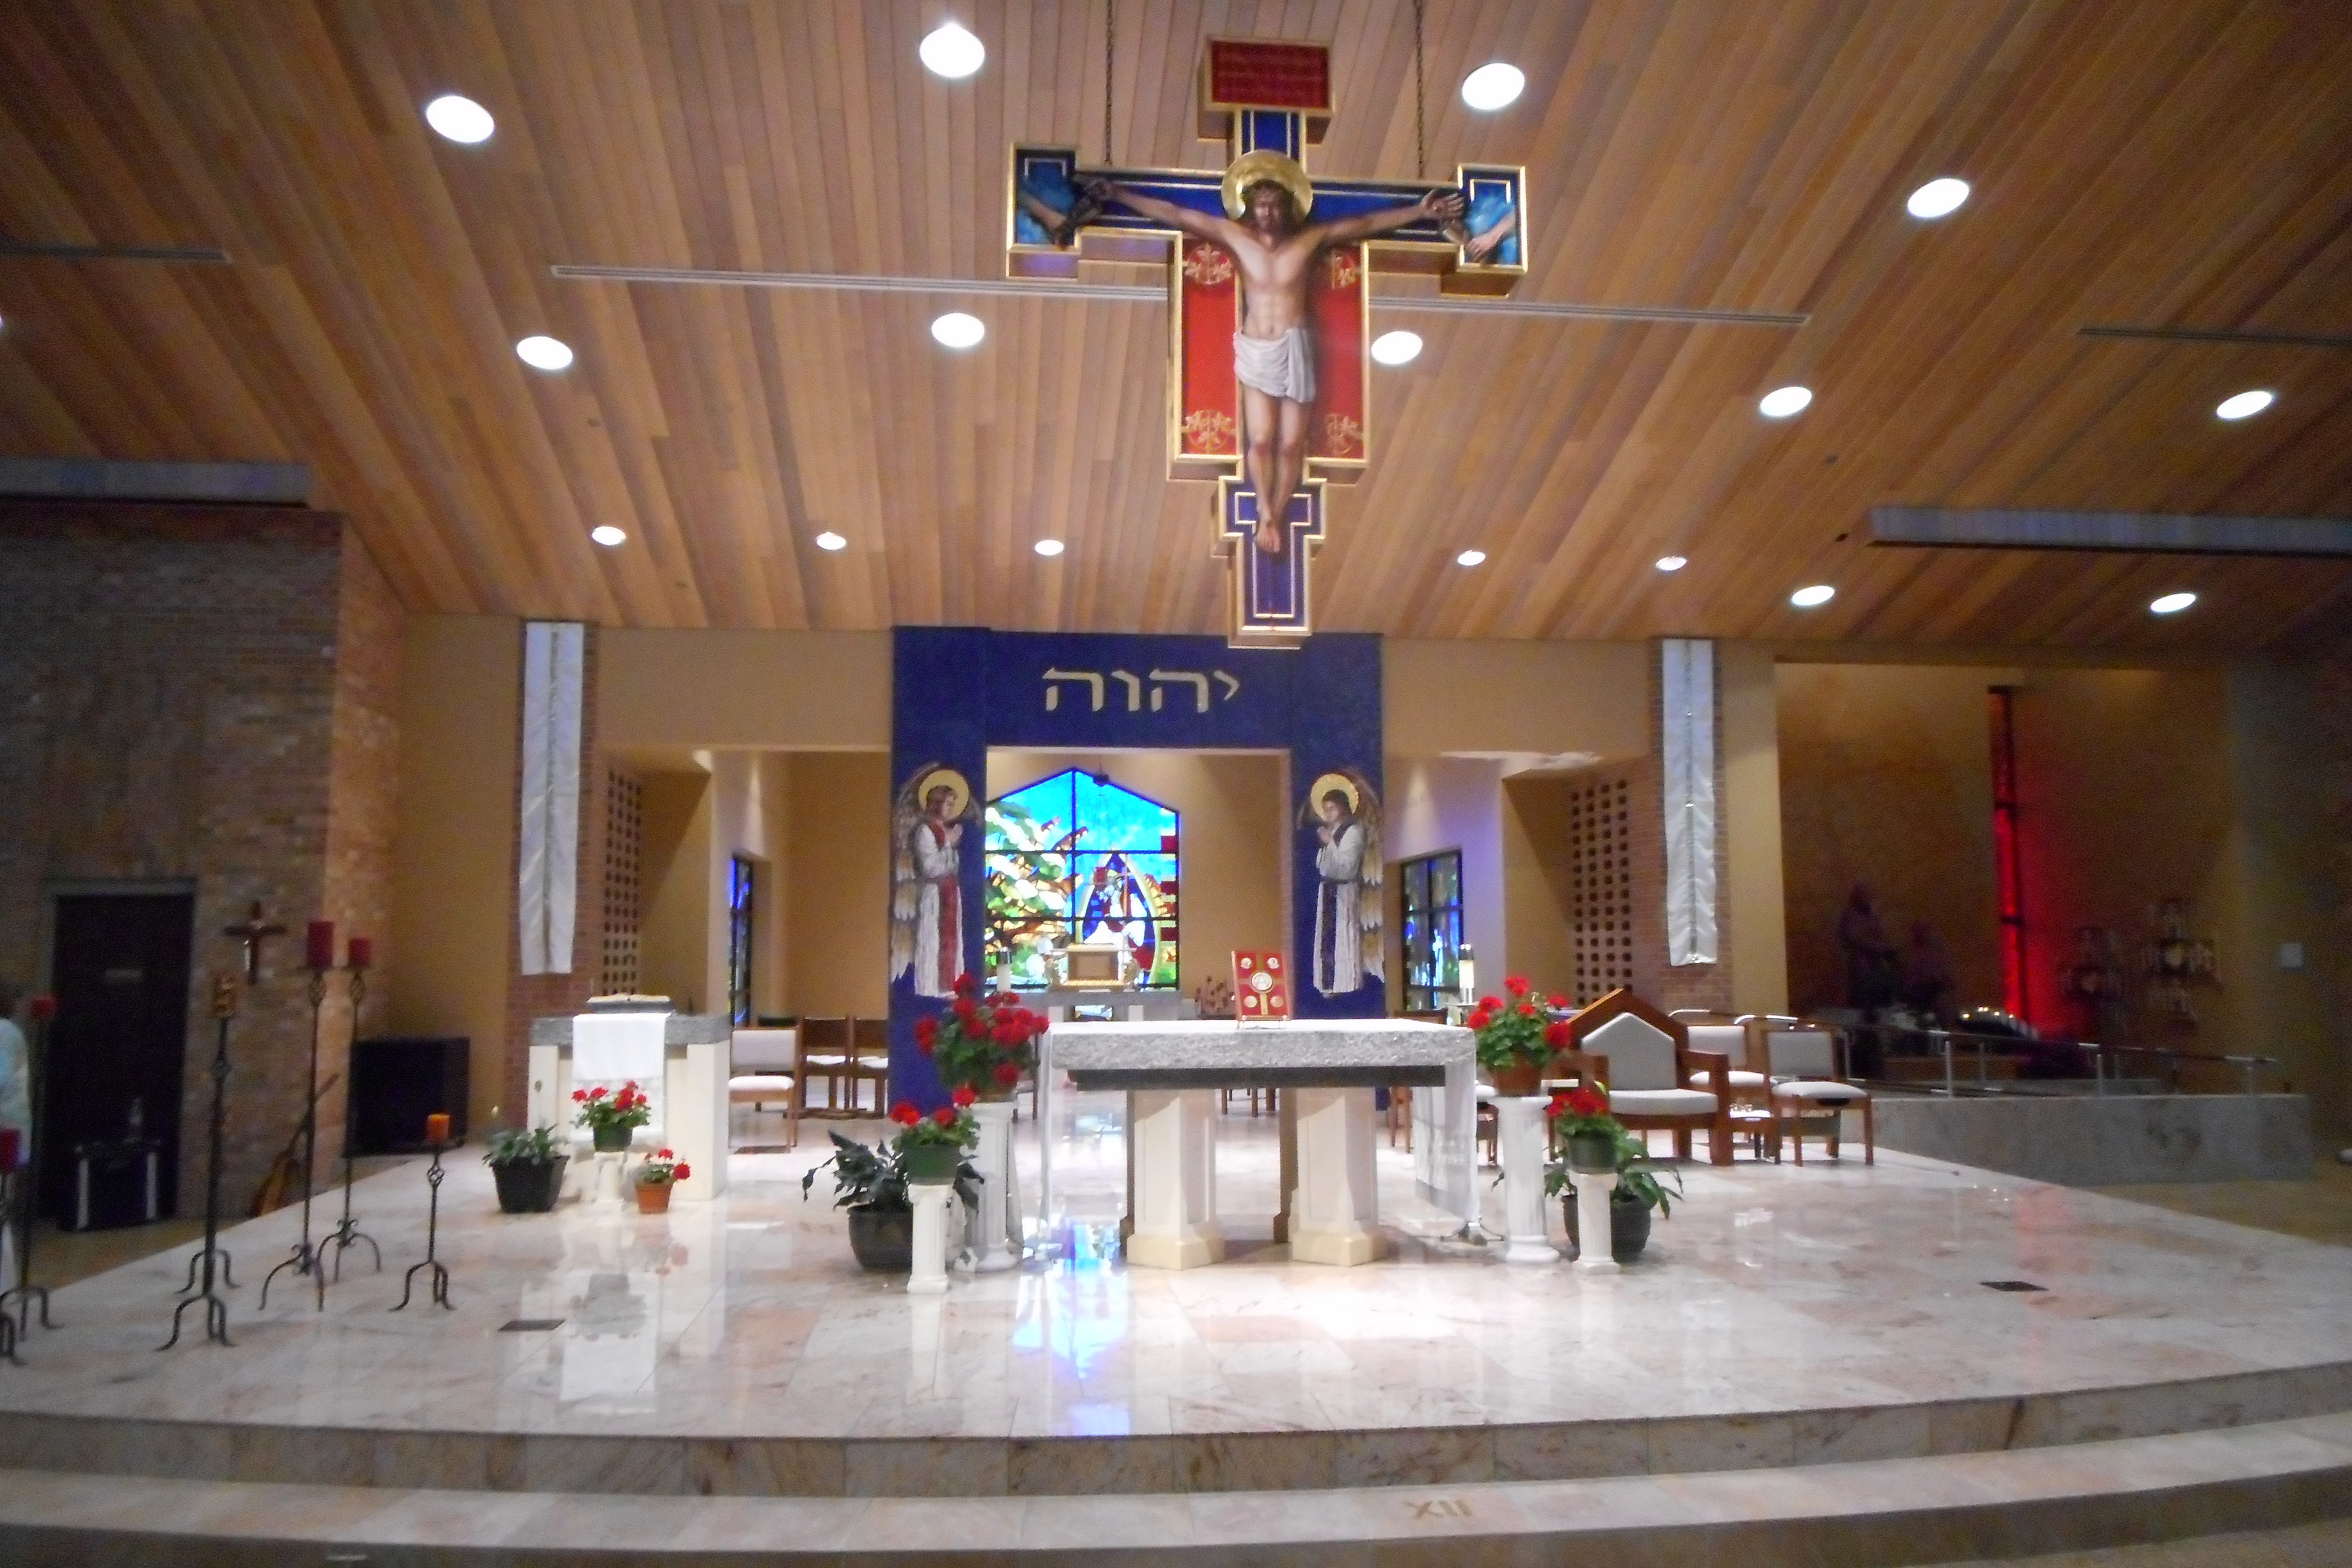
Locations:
1251 167
1329 783
944 778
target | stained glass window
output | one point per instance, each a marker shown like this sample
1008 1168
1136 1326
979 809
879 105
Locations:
1433 930
1077 858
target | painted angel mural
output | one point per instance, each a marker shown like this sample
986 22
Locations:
927 915
1345 812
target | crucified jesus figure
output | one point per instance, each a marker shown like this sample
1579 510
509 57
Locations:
1273 354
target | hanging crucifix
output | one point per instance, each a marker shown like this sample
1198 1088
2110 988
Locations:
1268 295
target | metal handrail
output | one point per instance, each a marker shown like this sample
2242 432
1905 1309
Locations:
2249 1065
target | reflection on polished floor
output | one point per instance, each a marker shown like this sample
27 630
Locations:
1771 1289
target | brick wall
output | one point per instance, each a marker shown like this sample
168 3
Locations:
537 996
200 694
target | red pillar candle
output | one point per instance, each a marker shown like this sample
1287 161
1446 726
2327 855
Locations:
11 1148
44 1009
319 945
437 1128
361 951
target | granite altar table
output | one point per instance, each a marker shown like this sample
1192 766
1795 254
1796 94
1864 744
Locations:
1328 1068
691 1111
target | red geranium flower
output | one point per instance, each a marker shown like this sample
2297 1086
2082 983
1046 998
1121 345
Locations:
945 1115
1558 1000
1008 1073
904 1113
1515 984
963 1094
1587 1102
662 1155
1490 1004
1556 1034
682 1173
965 985
580 1094
597 1092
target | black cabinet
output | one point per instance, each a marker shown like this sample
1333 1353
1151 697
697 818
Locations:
397 1080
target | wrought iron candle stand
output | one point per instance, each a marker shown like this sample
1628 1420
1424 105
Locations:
346 1231
8 1215
216 1310
24 1293
307 1259
432 1237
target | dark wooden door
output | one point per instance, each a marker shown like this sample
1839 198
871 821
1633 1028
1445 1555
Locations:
120 970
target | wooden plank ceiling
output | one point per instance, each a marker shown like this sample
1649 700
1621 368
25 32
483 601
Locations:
2172 162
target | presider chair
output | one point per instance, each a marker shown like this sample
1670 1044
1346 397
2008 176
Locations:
1647 1063
869 1063
1810 1083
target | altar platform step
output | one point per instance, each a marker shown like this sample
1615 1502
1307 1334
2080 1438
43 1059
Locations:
1868 1514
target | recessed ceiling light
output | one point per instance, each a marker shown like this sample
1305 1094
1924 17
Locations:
1470 557
2172 603
1671 562
1819 593
608 536
1493 87
2246 405
957 330
1048 547
1782 401
831 540
1938 198
950 51
1397 347
459 118
544 353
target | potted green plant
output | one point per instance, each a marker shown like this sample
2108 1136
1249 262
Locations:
871 1183
1515 1038
983 1044
656 1178
1583 1113
612 1120
528 1170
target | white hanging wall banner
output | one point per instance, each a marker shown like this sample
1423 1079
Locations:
547 893
1688 688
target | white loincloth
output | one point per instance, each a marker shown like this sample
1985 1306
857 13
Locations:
1278 367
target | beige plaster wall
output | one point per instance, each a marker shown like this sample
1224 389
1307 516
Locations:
1451 803
1234 849
836 901
1749 818
675 931
452 879
793 691
1515 698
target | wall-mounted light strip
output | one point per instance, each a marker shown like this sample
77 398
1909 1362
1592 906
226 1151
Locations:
48 250
1136 294
2215 335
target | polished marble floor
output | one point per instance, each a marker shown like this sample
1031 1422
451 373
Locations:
1771 1289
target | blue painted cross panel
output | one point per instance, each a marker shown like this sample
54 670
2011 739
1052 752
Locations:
957 691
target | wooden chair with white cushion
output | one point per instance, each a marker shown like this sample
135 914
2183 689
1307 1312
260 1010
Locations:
1722 1035
1648 1067
823 1055
761 1063
1807 1066
869 1061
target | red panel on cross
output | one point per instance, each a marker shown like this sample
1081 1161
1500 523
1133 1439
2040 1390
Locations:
1208 420
1336 295
1259 75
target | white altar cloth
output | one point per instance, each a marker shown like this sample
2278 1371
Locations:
610 1048
1170 1069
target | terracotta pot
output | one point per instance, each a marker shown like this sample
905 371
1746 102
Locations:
613 1140
1520 1078
1629 1224
652 1196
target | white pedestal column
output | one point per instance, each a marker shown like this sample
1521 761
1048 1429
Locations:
1520 1131
931 1201
1592 1190
1335 1215
991 1251
1173 1136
